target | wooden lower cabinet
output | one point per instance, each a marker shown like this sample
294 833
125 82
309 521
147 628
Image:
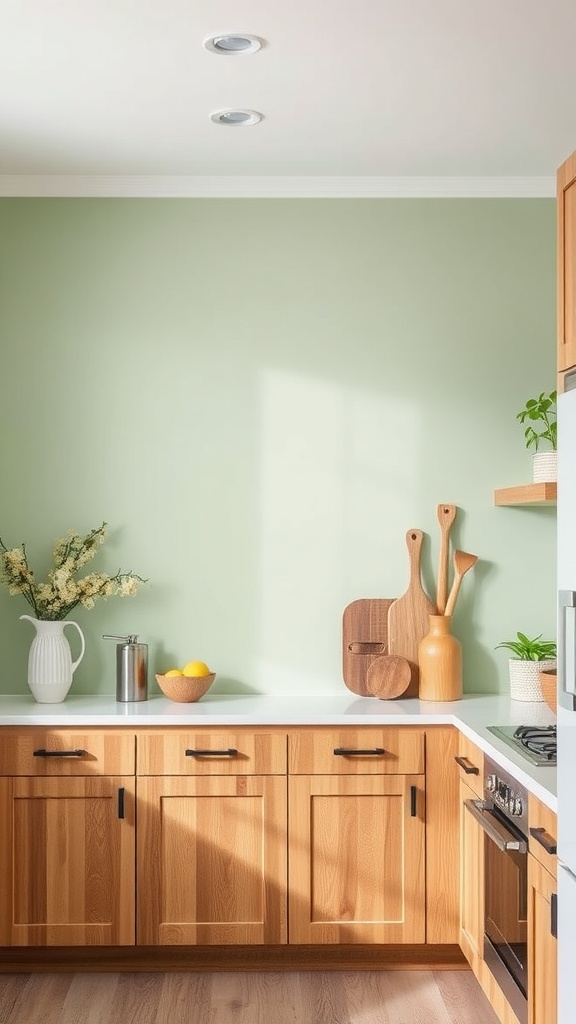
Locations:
211 860
542 945
356 859
471 882
67 853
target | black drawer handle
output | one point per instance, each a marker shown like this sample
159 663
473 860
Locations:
544 838
354 752
413 806
467 765
554 915
231 752
59 753
121 792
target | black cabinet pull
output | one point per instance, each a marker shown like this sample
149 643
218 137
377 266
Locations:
354 752
413 809
544 838
467 765
121 792
231 752
59 753
554 915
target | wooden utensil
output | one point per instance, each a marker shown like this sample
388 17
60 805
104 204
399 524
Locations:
408 616
446 516
463 561
388 677
364 640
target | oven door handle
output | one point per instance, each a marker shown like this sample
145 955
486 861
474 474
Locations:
498 833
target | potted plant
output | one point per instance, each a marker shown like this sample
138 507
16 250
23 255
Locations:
541 430
531 657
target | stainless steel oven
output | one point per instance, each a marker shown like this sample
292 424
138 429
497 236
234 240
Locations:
503 816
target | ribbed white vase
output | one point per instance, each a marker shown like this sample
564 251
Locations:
50 665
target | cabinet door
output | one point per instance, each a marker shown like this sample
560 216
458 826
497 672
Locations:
542 945
471 883
67 854
566 213
211 857
356 859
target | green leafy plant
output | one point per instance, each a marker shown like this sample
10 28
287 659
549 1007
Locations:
55 598
525 649
541 410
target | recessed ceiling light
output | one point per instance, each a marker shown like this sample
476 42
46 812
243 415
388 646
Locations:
236 117
233 43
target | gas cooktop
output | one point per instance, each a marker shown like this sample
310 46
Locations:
537 743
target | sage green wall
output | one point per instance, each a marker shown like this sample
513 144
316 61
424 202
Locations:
261 397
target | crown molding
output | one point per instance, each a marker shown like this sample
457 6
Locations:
184 187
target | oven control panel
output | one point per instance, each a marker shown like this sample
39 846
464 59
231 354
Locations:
507 794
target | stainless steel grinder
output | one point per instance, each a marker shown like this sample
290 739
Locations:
131 668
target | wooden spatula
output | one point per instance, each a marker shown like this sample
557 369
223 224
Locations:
446 516
462 562
408 616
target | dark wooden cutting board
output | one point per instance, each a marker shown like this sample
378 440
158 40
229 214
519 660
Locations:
367 669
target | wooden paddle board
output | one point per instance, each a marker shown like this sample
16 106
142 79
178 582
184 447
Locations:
408 616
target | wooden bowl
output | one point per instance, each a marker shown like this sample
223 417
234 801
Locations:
548 686
185 689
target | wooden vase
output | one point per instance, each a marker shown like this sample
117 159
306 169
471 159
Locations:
440 661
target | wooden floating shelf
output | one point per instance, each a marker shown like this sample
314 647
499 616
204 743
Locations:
526 494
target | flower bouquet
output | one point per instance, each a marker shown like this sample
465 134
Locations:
62 591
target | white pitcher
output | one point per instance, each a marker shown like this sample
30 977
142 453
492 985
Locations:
50 665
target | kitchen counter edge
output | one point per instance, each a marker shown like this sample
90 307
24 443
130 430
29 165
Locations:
472 715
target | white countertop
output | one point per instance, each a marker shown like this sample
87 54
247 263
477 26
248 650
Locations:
472 715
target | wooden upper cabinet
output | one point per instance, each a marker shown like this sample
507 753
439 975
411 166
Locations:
566 213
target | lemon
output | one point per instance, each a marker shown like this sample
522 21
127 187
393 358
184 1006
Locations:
174 672
196 668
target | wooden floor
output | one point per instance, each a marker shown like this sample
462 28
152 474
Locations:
334 997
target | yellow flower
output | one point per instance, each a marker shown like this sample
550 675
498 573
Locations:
55 598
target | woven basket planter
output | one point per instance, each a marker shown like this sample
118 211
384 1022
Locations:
544 467
525 678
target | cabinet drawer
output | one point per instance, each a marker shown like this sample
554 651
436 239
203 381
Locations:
470 761
211 752
542 826
398 750
52 752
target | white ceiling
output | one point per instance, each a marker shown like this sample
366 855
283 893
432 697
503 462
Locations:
377 90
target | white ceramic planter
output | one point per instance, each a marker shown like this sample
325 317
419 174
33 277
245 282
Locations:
544 467
525 678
